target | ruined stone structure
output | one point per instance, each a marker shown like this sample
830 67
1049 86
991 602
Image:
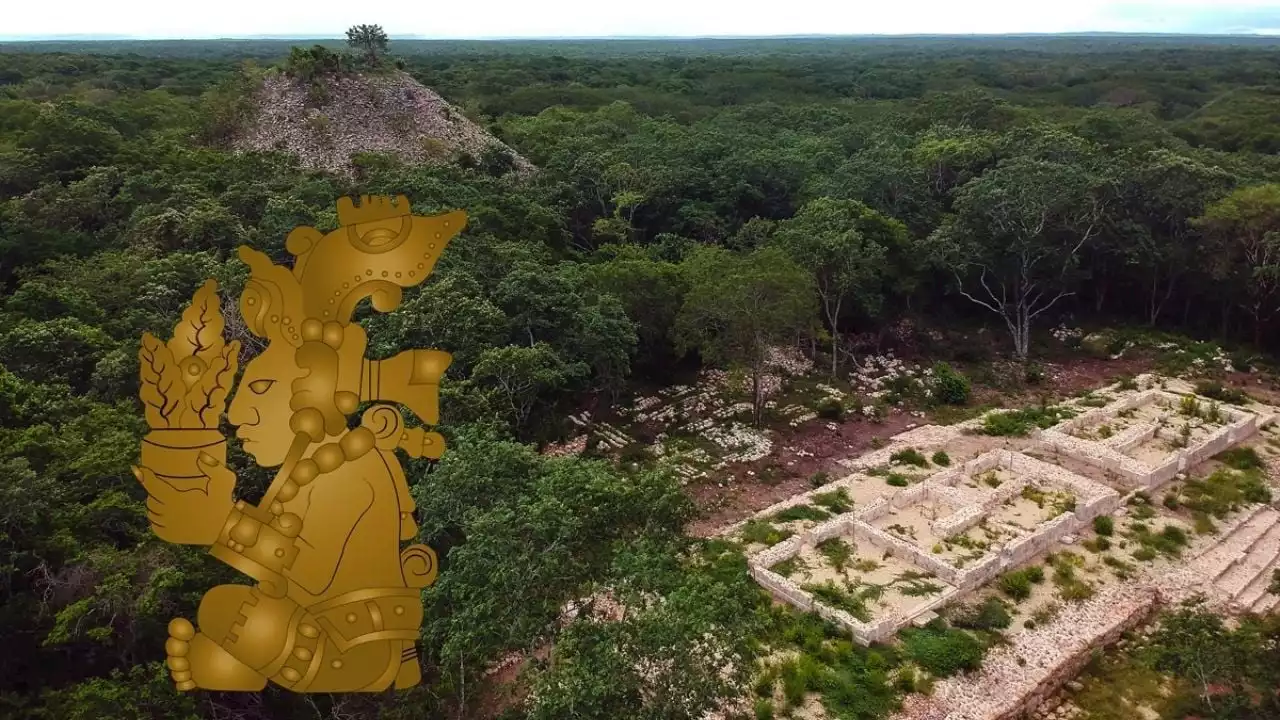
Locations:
1137 442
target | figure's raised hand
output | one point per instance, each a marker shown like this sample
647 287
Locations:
194 515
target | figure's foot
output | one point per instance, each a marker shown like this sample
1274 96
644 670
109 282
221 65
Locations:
196 661
410 671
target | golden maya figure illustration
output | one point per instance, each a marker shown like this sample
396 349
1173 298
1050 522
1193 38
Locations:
336 606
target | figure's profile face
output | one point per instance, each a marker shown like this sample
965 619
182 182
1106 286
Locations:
260 409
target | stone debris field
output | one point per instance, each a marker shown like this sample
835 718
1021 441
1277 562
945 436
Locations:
937 516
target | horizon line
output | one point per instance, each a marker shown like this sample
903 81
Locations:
107 37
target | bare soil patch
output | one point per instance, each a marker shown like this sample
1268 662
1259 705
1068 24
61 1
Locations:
743 495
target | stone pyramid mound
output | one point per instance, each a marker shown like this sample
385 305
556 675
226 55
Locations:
389 114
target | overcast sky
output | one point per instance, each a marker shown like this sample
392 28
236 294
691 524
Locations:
596 18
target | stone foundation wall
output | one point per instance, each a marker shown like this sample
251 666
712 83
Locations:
1132 438
873 510
905 551
783 589
1068 669
959 521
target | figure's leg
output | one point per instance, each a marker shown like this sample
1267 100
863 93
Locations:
205 659
410 671
196 661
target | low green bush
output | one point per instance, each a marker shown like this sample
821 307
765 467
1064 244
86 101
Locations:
943 651
949 386
909 456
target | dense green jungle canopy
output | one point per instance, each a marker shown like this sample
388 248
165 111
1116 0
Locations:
1015 183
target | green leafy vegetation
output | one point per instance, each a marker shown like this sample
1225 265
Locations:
800 512
1066 578
697 202
1192 665
852 601
949 386
1241 458
1225 491
991 614
1215 390
909 456
1104 525
1018 423
941 458
837 501
896 480
837 552
762 531
1017 583
942 650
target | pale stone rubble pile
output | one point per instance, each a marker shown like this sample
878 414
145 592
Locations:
390 114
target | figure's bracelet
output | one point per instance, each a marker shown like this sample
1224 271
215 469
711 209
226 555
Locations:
260 545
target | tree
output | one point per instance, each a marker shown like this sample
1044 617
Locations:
1020 227
651 292
369 40
824 239
519 376
738 306
681 648
1245 232
1158 193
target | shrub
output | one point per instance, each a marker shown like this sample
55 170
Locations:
1045 613
992 614
1017 423
1171 500
905 681
1104 525
837 501
1076 591
1034 374
941 458
1097 545
819 479
1126 382
1225 491
1217 391
943 651
764 709
909 456
788 567
800 512
1241 458
763 532
1016 585
837 552
1203 524
831 409
897 480
949 386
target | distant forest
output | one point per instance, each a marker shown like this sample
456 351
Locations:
906 191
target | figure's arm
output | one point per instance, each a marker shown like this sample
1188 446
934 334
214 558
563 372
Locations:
274 549
332 514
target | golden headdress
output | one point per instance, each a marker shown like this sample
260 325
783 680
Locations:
380 248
